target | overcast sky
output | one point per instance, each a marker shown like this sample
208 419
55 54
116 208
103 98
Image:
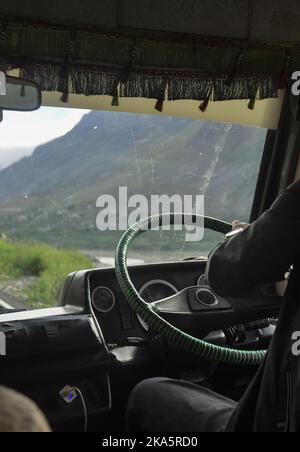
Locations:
20 133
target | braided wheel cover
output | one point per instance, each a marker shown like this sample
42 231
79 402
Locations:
152 318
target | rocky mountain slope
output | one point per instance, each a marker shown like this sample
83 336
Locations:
51 195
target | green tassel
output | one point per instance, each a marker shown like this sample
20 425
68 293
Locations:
252 101
115 100
251 104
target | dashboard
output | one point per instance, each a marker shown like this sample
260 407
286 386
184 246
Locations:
120 324
153 282
94 340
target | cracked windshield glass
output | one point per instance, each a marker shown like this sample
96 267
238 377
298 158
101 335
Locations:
56 163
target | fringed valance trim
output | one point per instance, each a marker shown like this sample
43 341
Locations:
150 84
156 66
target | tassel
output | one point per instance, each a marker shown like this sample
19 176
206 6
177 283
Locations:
65 97
65 94
254 95
115 100
203 106
251 104
159 106
65 70
64 78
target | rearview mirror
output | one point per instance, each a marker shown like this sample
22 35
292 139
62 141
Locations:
18 94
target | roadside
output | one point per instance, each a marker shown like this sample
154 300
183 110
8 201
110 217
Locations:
12 292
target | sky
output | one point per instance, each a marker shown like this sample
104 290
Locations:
21 133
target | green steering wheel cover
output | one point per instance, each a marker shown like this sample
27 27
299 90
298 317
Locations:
152 318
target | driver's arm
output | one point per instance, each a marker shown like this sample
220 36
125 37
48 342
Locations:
263 252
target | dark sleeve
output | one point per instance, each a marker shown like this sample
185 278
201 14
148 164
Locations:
263 252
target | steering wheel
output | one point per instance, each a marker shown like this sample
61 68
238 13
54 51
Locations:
193 306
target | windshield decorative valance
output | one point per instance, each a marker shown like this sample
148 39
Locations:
153 65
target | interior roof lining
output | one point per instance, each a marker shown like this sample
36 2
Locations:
271 20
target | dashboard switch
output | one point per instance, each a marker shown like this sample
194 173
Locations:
126 316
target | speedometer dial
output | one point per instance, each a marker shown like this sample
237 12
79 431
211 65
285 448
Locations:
103 299
157 289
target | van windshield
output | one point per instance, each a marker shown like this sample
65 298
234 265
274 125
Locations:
57 163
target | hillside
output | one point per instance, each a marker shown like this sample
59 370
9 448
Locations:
51 195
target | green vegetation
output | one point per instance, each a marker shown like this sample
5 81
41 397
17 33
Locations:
44 266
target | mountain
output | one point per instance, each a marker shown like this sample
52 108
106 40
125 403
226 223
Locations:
8 155
51 195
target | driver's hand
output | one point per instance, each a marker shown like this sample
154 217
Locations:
236 224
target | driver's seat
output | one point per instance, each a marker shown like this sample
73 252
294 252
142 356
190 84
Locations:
270 404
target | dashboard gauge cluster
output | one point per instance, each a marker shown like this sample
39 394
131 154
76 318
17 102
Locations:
153 282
